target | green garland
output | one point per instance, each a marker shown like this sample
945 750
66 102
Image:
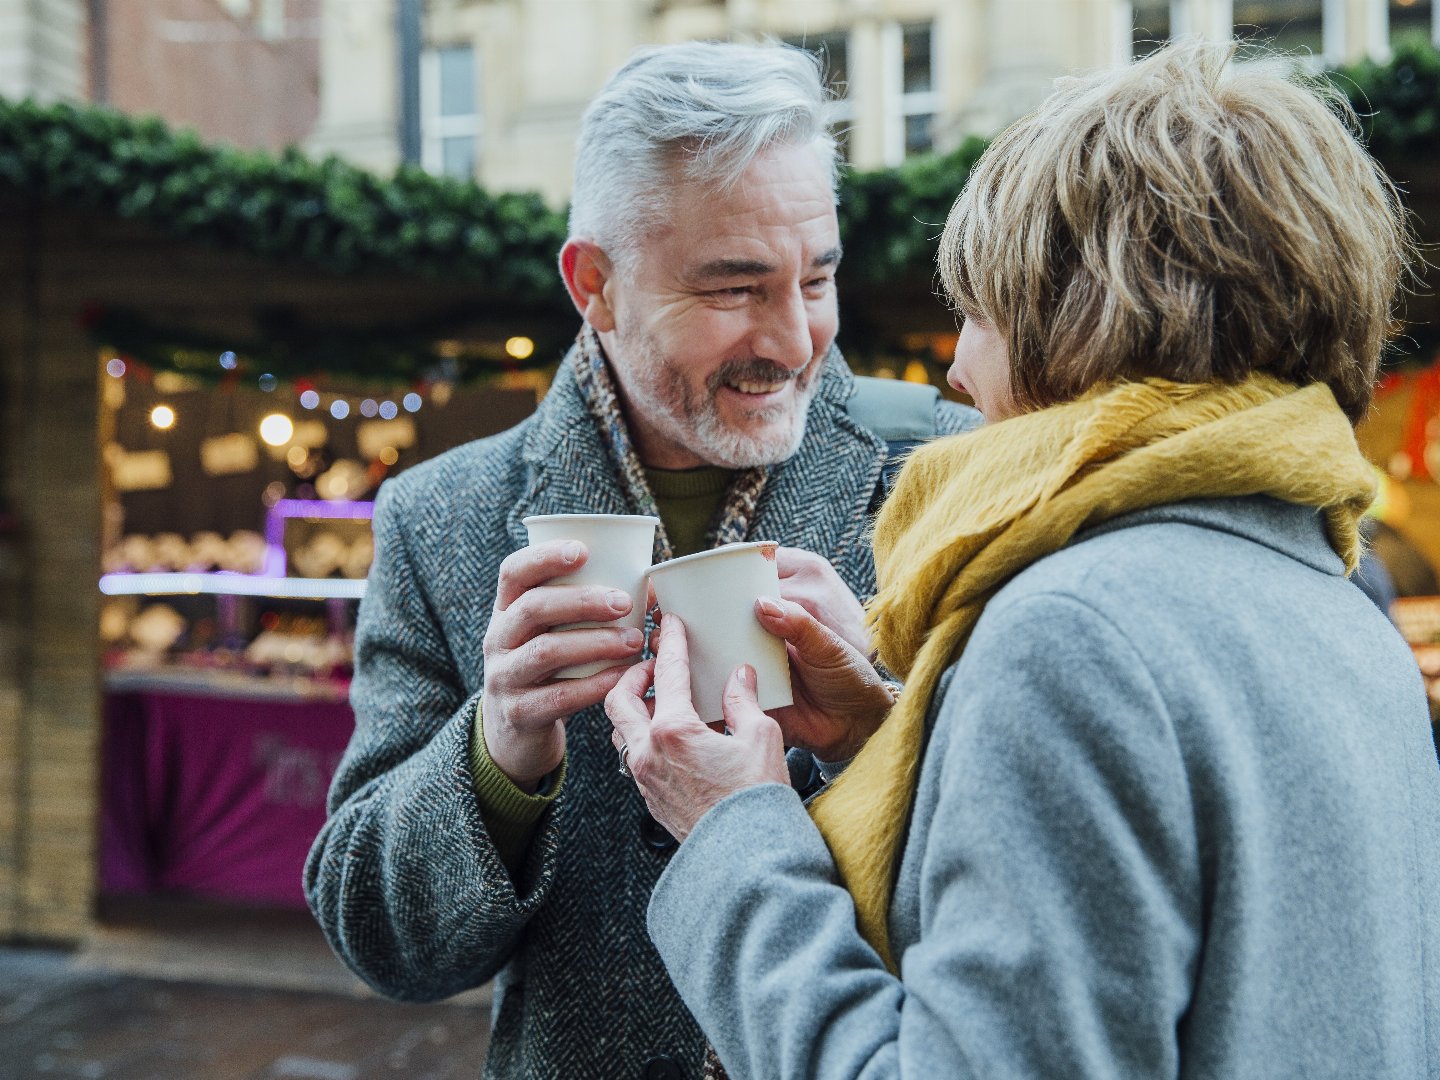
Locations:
1398 102
329 214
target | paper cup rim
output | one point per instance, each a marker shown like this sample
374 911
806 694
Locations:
697 556
537 518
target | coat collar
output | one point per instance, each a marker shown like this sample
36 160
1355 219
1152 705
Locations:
1289 528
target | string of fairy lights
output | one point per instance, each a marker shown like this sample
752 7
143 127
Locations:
277 428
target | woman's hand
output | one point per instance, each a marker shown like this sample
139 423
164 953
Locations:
811 581
840 698
680 765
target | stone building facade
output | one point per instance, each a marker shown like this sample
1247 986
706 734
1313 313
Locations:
502 83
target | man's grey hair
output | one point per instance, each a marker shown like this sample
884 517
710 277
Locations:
694 111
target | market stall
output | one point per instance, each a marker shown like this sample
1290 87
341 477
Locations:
238 541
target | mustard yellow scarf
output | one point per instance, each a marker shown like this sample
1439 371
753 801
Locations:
972 511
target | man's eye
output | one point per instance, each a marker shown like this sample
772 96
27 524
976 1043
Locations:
818 284
734 292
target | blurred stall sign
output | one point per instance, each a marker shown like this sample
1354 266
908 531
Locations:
143 470
229 455
375 435
311 434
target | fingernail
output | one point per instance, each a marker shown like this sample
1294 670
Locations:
769 607
747 676
572 551
632 638
618 602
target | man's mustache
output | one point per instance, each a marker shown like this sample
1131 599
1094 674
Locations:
757 370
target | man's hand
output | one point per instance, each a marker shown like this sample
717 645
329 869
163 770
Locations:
524 712
810 581
680 765
839 697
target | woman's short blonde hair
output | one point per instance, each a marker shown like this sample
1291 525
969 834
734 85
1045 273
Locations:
1184 218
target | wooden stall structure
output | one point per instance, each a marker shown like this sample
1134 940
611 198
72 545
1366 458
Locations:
60 267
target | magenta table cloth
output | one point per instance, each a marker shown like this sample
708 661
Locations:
215 796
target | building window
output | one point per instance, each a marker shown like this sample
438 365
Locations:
833 50
449 111
1152 23
1293 27
1411 18
918 100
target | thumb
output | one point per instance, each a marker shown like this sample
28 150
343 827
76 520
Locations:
741 703
814 642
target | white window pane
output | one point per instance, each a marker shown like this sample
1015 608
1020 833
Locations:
919 136
457 157
833 49
1151 26
457 80
916 75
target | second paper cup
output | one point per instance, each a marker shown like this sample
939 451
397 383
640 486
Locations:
714 593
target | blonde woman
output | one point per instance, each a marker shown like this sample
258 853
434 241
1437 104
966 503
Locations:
1158 798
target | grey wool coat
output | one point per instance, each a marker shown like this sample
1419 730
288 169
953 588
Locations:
403 878
1178 817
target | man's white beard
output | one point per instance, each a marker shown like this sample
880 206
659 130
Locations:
658 390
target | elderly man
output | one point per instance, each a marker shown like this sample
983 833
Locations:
478 822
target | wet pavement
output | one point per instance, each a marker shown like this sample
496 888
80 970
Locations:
194 1004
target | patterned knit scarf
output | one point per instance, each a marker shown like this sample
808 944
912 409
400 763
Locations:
597 387
972 511
732 520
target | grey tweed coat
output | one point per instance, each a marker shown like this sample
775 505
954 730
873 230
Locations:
403 878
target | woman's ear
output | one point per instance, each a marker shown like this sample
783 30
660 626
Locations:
587 270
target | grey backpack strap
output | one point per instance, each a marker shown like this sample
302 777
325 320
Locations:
901 413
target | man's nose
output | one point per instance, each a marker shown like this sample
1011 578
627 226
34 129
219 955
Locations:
784 332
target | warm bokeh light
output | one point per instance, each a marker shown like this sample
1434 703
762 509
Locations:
163 417
389 455
276 429
297 456
521 348
915 371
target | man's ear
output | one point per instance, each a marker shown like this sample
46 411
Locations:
587 270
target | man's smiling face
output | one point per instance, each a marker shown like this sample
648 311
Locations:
725 314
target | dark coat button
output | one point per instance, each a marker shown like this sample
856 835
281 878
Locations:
655 836
661 1068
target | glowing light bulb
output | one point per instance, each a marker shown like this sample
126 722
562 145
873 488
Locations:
277 429
163 417
388 410
521 348
115 368
309 399
411 402
339 409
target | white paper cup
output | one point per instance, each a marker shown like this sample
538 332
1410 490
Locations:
714 593
621 549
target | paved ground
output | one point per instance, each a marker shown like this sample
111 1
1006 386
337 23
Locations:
196 1004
